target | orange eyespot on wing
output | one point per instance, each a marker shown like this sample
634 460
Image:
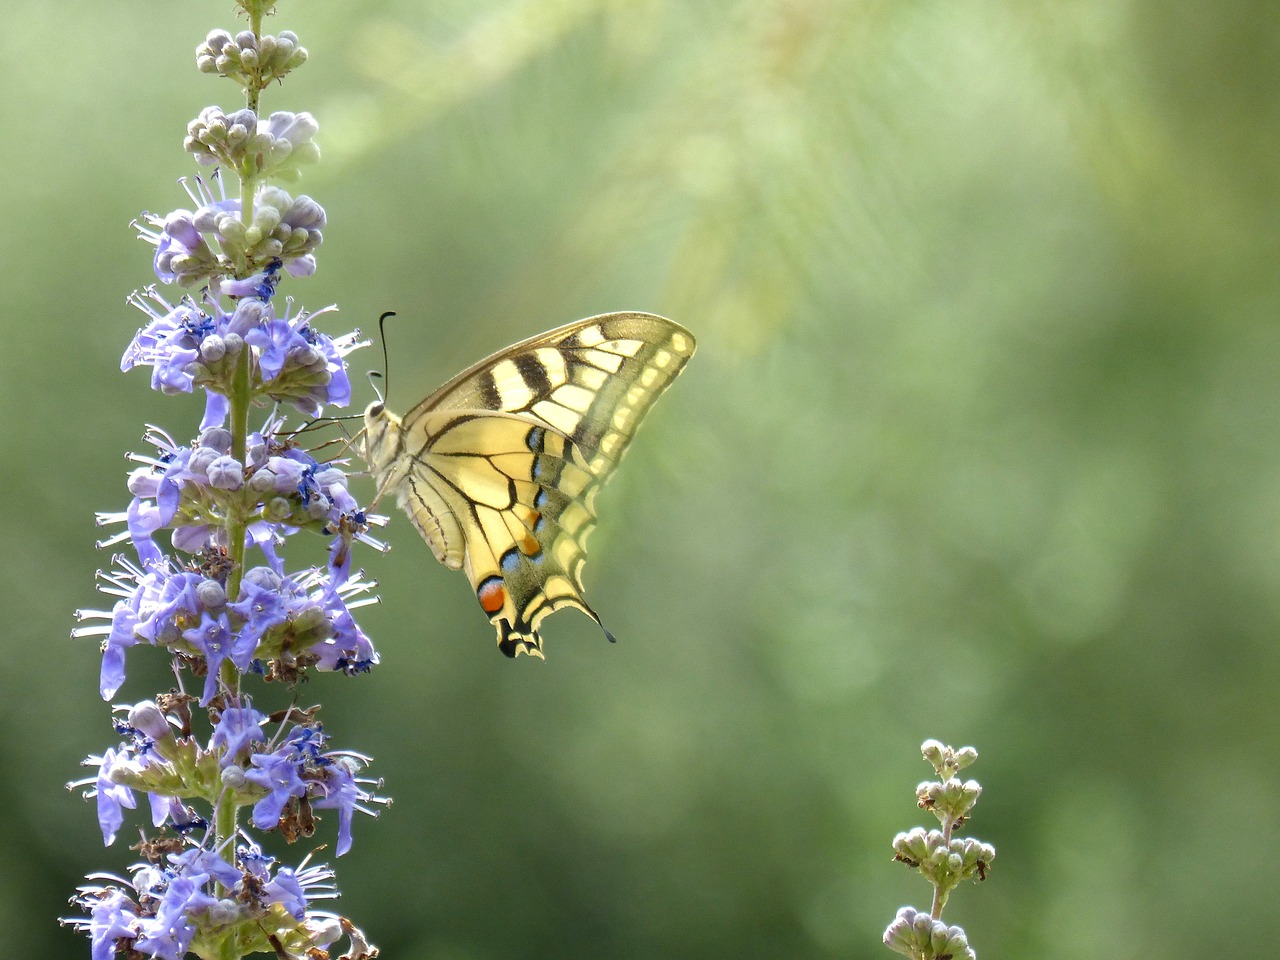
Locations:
492 596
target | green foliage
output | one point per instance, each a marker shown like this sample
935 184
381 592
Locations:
986 303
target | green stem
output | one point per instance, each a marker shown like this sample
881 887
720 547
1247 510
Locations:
255 24
225 827
241 399
940 895
252 93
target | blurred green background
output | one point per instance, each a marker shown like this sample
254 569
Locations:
978 445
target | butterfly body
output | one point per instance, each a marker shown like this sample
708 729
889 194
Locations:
499 468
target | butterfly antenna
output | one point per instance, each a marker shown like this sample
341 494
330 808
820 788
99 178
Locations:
386 360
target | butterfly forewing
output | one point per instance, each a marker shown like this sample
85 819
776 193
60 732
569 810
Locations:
499 468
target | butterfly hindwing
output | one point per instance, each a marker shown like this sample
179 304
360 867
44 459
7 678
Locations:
499 468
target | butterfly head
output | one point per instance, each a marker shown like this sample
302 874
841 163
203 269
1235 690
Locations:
381 436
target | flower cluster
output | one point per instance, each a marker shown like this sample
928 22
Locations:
191 901
206 579
225 237
274 147
189 346
914 933
283 781
942 859
250 60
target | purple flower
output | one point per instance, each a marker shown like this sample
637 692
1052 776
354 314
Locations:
170 343
113 798
113 917
214 639
168 934
205 863
349 650
221 594
286 890
339 791
216 408
278 773
237 728
261 608
144 519
183 254
166 598
261 285
277 341
171 810
123 620
279 475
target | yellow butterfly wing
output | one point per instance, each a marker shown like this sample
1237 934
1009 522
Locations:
499 468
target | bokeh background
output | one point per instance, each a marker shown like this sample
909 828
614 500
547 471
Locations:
979 444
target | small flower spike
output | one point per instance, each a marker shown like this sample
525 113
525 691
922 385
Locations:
942 858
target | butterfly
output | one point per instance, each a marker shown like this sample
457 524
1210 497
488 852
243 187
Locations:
499 468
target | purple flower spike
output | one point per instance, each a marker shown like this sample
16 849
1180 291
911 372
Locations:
200 575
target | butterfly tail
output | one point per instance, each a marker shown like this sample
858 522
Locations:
517 638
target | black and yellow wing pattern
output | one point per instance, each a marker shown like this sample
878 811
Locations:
499 468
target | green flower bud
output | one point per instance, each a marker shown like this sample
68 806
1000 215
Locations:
311 626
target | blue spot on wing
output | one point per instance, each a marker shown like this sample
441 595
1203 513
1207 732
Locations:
510 561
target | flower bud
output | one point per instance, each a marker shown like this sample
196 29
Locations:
311 626
211 594
213 348
263 577
277 510
191 539
223 913
256 454
216 438
143 482
226 473
201 459
324 930
318 506
146 718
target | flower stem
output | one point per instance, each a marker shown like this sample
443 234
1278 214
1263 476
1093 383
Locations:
241 398
940 893
255 25
225 828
